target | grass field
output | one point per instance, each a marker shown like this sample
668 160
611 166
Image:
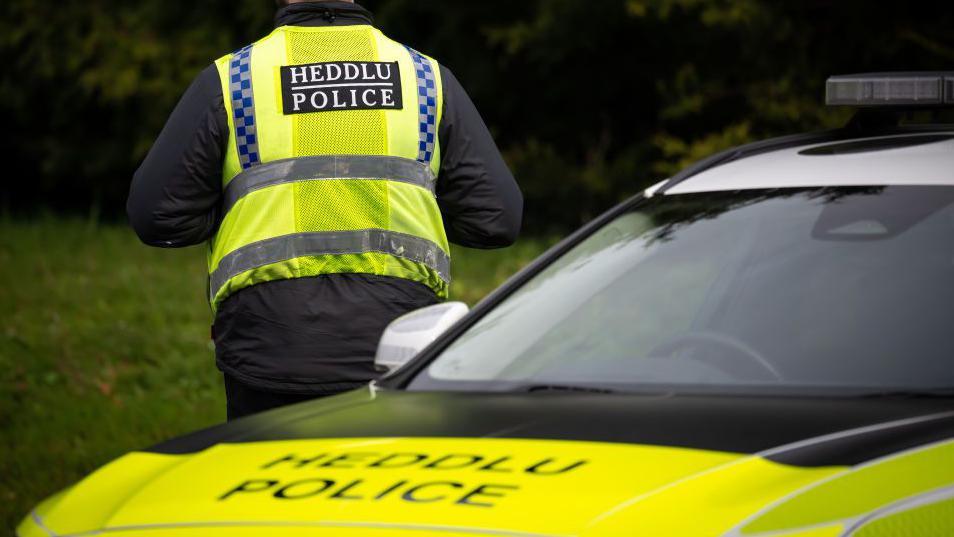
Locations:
105 347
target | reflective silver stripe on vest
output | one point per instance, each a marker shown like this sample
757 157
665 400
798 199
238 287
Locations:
327 167
287 247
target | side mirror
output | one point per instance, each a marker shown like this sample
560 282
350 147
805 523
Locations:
410 333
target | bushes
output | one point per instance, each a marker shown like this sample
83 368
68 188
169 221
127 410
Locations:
590 101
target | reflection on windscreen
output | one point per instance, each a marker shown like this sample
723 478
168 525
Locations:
846 287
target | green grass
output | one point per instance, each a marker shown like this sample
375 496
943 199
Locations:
104 347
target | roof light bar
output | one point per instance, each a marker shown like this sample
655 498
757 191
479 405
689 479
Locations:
891 89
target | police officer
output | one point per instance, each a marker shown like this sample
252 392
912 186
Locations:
327 167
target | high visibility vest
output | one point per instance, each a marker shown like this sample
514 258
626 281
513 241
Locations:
331 163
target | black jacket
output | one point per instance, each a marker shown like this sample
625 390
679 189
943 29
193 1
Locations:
312 334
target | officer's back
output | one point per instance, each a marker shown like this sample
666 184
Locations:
327 166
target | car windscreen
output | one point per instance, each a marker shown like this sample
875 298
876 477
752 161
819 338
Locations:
778 291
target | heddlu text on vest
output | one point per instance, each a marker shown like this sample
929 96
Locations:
329 86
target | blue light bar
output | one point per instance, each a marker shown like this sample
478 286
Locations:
891 89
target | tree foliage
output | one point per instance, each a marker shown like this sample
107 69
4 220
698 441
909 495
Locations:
589 101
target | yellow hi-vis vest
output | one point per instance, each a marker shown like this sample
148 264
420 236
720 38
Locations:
332 161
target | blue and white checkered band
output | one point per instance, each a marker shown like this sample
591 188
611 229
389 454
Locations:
426 106
243 107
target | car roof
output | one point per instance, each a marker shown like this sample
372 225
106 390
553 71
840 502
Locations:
917 158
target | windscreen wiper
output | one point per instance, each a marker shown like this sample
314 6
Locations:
939 393
577 388
538 388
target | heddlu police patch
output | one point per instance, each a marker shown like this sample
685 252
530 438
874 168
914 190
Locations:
323 87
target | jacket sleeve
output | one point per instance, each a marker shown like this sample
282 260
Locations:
175 194
479 199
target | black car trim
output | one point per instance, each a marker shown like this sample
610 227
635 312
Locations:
798 431
853 447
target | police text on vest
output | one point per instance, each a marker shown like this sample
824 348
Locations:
329 86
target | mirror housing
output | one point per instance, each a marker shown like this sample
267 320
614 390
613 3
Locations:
407 335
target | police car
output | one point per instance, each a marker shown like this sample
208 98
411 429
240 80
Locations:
762 345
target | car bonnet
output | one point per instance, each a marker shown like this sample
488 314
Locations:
819 476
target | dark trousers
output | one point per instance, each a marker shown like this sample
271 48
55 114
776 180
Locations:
243 400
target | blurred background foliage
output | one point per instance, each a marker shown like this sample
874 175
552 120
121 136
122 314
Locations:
590 101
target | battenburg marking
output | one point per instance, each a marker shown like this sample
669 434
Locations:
325 87
243 107
426 105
